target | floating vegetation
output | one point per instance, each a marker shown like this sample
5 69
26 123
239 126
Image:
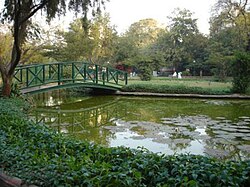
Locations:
219 137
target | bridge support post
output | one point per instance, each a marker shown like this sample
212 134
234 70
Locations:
73 72
85 72
35 76
58 74
107 73
21 75
44 75
103 78
126 78
96 74
27 77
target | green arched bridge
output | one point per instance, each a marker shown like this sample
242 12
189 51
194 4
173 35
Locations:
44 77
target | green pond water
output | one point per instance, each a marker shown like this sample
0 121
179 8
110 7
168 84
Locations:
218 128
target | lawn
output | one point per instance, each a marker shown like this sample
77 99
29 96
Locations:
179 86
194 82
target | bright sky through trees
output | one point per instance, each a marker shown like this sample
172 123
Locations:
125 12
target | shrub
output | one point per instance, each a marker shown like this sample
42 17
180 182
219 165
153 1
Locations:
145 71
241 72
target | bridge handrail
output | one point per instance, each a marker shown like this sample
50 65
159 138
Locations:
33 75
24 66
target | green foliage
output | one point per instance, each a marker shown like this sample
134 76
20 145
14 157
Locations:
221 65
174 89
67 72
241 73
144 32
5 46
94 44
145 70
138 43
15 90
43 157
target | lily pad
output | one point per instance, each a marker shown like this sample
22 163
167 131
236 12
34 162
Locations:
238 135
181 141
228 129
167 122
218 153
137 137
247 138
244 117
243 130
225 136
220 118
245 148
220 132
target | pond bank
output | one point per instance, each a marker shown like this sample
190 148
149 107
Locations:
151 94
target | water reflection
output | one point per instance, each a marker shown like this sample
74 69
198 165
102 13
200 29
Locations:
219 128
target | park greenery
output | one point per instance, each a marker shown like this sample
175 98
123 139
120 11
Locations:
40 156
183 86
145 47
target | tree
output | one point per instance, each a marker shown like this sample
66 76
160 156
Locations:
124 50
96 45
182 44
144 32
19 13
104 35
230 28
235 13
182 26
224 41
134 47
241 72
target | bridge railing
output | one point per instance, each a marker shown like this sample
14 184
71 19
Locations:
68 72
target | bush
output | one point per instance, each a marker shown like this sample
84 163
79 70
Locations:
43 157
241 73
145 71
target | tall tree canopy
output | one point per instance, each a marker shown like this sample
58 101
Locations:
19 14
182 44
235 13
95 45
133 48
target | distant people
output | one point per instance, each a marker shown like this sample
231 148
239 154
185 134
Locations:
174 75
179 75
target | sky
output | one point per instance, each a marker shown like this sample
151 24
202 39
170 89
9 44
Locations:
125 12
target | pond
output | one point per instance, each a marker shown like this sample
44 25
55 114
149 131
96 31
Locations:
217 128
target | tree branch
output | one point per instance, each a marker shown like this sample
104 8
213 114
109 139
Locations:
38 7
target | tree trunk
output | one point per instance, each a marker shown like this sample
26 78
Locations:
7 81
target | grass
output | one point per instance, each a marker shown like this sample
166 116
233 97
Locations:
202 83
185 86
